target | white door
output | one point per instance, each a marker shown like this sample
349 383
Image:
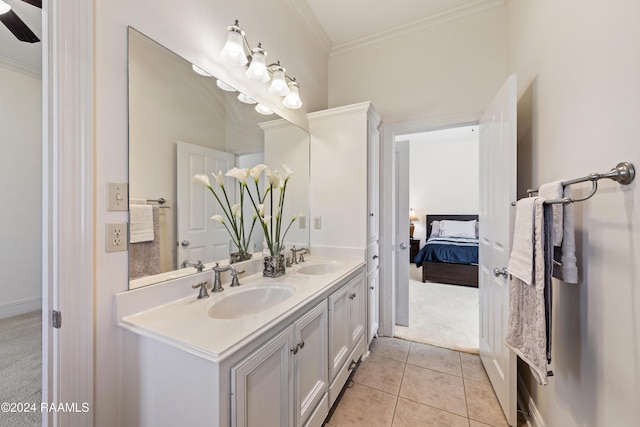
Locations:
199 237
402 233
497 191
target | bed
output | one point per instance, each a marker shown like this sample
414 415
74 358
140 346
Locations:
452 260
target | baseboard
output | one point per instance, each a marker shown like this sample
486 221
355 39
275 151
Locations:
534 418
15 308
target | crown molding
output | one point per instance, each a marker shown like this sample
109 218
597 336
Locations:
19 67
361 107
309 20
431 20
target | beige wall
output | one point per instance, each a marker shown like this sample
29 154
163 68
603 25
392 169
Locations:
578 62
195 29
449 69
21 189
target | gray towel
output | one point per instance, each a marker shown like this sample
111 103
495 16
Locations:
527 329
144 257
565 266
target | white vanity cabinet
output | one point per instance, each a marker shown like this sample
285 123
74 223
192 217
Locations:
348 139
347 320
283 382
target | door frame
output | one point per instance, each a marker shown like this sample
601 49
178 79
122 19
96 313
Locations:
388 176
68 208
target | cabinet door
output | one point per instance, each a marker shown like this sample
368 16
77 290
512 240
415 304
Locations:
373 179
357 317
311 362
373 310
339 329
262 386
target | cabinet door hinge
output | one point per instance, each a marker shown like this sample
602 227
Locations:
56 319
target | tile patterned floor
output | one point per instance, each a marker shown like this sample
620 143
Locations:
408 384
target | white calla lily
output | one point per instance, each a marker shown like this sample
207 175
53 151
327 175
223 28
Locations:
241 174
219 178
273 177
218 218
266 219
256 171
288 172
235 210
201 178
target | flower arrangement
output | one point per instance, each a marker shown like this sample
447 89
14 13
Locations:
233 218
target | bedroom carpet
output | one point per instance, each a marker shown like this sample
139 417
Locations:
442 315
21 367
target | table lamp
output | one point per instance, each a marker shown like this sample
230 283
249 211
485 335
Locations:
412 217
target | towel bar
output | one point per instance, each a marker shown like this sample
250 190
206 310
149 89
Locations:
624 174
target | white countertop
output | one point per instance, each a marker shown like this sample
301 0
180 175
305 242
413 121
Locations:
186 324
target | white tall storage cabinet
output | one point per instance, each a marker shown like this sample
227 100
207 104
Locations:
345 186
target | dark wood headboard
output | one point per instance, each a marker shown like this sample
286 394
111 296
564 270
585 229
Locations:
447 216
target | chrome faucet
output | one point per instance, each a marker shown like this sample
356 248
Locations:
217 285
203 289
234 277
294 257
198 265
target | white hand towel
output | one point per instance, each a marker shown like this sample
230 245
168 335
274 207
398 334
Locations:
141 223
565 265
521 257
133 201
554 190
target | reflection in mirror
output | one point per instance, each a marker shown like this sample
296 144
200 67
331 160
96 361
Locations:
181 123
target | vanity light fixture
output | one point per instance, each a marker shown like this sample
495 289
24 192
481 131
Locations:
263 110
236 51
292 100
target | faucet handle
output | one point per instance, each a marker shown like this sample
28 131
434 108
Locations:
203 289
234 277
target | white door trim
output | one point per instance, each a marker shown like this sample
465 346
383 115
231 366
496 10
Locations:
387 204
68 208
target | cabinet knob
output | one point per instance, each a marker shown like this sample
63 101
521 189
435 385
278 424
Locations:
371 214
352 296
301 344
372 288
294 350
375 257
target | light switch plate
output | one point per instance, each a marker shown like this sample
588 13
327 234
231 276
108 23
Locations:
117 237
317 223
118 196
302 222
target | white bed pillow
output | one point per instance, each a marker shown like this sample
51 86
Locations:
452 228
435 228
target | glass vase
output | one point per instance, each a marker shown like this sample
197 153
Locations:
273 266
239 256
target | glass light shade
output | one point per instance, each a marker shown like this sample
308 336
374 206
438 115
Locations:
233 50
413 216
222 85
279 83
4 7
200 70
263 110
292 100
244 98
258 68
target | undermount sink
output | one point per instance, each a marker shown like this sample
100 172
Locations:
318 269
250 300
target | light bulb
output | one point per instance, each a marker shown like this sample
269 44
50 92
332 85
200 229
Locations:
233 50
279 83
258 68
263 110
244 98
292 100
222 85
200 70
4 7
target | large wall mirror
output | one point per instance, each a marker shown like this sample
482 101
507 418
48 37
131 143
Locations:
183 123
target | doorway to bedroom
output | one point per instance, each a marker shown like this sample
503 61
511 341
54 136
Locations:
438 174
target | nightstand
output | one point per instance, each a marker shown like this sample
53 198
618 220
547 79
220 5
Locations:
414 248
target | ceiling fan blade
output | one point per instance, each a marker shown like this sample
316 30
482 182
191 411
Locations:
36 3
18 27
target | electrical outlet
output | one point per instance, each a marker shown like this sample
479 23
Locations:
302 221
118 196
117 237
317 223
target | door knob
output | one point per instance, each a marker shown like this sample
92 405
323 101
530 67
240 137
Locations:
185 243
403 246
497 272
